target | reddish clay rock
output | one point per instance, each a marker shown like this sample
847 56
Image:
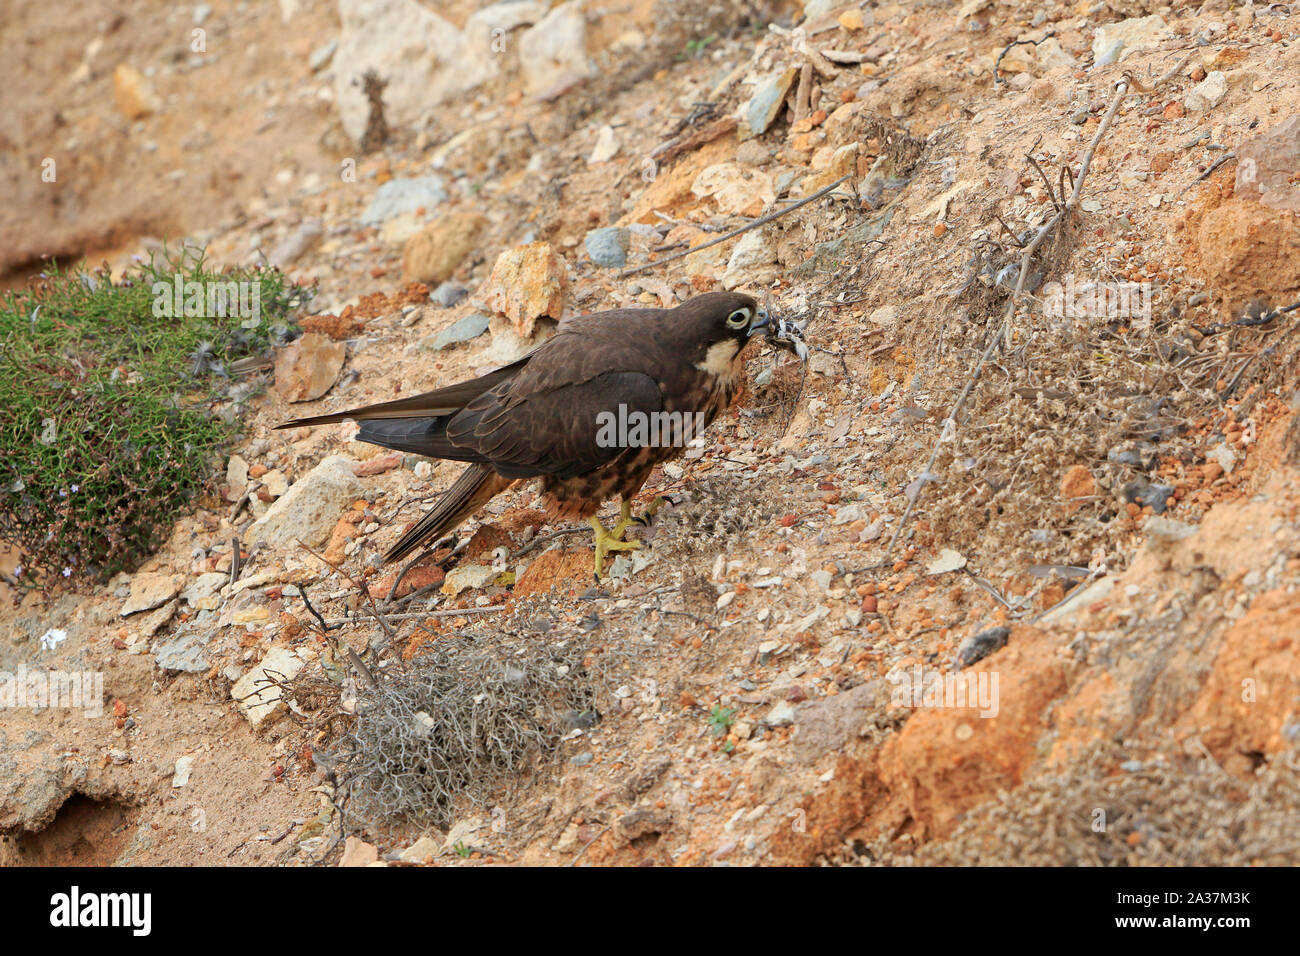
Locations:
1253 687
561 571
948 760
307 368
416 579
378 465
527 283
1077 482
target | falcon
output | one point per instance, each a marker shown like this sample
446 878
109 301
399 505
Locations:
589 412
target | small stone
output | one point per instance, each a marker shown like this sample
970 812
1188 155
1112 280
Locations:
736 189
206 585
462 330
417 579
133 94
236 478
449 294
297 244
434 253
1053 56
753 262
150 590
948 560
258 694
782 715
1076 483
378 465
321 56
981 645
608 246
421 851
308 367
1267 164
400 196
151 625
1115 41
766 103
1148 494
1207 94
825 726
553 51
467 577
181 774
1135 454
356 852
606 147
275 483
753 153
185 651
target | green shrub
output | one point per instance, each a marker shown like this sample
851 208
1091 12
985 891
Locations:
114 411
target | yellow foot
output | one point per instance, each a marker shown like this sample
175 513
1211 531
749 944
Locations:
610 540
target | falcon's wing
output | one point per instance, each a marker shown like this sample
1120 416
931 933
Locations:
556 432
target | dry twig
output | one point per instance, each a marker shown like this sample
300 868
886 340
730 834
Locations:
761 221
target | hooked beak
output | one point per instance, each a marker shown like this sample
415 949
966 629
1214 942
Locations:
759 324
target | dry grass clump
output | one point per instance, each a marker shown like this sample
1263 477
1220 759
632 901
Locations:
453 725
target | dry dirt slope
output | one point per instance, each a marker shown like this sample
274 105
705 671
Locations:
744 677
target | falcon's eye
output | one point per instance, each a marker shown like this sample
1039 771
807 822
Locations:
739 319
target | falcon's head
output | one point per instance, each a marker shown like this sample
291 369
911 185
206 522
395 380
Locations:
714 329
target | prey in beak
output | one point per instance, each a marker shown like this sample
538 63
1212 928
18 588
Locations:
781 333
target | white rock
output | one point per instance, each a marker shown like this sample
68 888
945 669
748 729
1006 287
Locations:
782 715
151 590
422 56
1052 56
205 587
182 770
1225 456
606 147
847 514
421 851
1207 94
257 693
237 477
555 48
948 560
465 577
307 512
736 189
753 262
1114 41
275 483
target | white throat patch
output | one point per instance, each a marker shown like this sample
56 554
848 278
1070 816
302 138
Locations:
719 360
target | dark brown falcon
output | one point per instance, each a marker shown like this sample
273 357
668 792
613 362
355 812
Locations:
568 413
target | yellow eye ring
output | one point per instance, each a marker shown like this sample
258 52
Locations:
739 319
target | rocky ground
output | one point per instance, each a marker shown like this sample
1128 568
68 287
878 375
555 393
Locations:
1105 545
